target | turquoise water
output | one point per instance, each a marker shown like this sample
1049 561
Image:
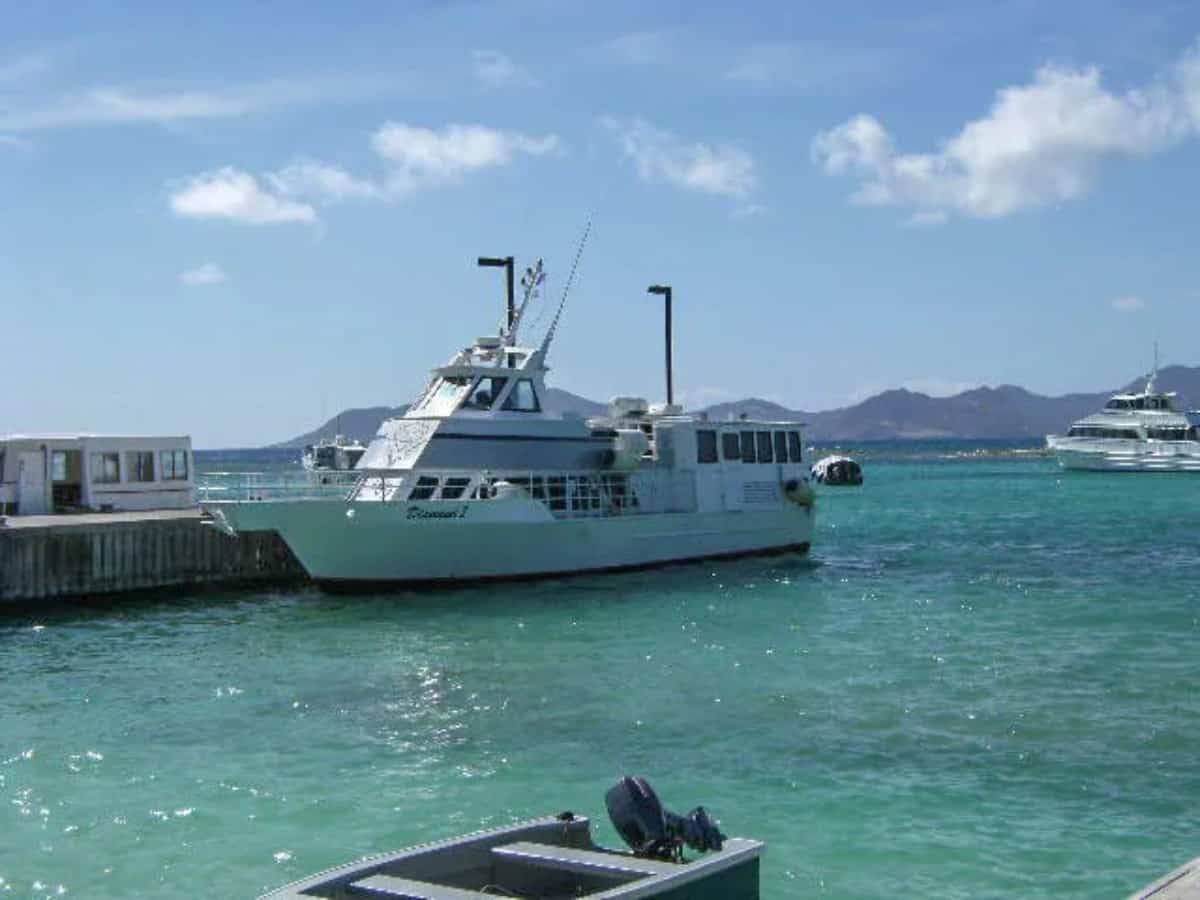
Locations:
983 683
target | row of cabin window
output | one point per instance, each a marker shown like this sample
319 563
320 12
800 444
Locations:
139 466
1139 403
557 492
749 446
1096 431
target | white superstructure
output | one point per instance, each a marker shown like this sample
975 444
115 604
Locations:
479 480
1135 432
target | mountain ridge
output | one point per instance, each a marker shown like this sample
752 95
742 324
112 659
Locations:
1000 412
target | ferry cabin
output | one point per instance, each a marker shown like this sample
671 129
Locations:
53 473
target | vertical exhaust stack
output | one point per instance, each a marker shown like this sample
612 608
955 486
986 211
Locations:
665 291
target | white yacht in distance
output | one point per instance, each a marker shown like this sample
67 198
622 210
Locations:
1140 432
336 455
478 480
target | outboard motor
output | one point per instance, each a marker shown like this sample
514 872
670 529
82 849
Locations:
655 832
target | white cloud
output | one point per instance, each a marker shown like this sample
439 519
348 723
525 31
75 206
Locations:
207 273
316 179
1127 303
496 70
8 140
924 218
749 211
422 157
229 193
660 156
413 159
121 106
1040 143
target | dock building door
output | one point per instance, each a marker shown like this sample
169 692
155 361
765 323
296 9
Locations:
31 483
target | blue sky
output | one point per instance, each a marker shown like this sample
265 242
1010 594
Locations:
227 219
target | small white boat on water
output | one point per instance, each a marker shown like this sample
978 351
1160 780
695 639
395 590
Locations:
555 859
337 455
479 480
837 470
1135 432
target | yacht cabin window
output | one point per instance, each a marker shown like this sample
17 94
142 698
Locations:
731 447
748 447
454 488
706 446
424 488
764 446
485 392
523 398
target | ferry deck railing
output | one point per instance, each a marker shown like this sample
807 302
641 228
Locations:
567 494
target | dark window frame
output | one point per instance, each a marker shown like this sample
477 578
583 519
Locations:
731 446
706 446
748 452
765 446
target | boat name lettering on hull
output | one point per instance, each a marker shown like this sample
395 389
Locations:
418 512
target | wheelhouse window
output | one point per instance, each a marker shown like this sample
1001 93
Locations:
764 446
174 465
139 465
731 447
106 468
523 398
706 446
748 447
795 450
446 395
781 446
485 392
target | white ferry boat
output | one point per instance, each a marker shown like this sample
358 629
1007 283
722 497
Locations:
1136 432
478 480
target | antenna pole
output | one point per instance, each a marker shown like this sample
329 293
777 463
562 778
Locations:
665 291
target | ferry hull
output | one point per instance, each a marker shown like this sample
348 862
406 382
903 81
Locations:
340 543
1130 458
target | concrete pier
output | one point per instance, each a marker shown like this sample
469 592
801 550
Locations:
50 557
1181 884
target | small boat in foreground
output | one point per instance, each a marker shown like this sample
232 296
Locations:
554 858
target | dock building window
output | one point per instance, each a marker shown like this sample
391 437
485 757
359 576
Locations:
748 447
58 465
106 468
523 398
485 393
706 446
174 465
795 451
139 465
764 446
731 447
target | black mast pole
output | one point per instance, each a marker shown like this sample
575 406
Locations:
507 263
665 291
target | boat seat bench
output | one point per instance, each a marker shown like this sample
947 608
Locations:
407 889
584 862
